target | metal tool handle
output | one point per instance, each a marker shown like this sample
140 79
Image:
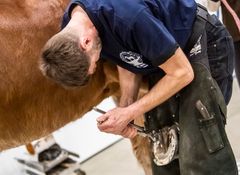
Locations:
98 110
137 127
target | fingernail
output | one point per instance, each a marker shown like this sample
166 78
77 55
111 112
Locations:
100 122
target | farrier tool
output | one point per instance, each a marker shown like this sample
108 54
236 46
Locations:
141 130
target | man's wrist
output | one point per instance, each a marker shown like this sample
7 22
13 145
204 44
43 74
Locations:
135 111
125 101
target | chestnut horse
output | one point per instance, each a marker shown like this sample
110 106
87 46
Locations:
32 106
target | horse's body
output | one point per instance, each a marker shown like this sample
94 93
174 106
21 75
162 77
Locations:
32 106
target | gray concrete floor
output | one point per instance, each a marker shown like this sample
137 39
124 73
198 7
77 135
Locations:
118 159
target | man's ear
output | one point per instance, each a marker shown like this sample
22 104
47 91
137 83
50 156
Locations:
85 43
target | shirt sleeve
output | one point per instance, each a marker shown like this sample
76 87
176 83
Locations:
67 14
65 20
152 38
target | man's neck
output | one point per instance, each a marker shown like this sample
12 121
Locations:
80 19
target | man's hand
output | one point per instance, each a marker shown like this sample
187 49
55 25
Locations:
116 122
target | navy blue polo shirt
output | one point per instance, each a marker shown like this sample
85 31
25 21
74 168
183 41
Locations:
139 35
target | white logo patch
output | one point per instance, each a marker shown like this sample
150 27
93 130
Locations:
197 48
134 59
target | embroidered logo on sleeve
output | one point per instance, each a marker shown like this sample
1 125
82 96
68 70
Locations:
134 59
197 48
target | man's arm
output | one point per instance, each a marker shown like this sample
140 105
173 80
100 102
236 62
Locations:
179 74
129 86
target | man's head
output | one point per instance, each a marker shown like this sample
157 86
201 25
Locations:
69 59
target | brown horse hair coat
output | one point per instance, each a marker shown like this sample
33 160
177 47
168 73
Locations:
31 106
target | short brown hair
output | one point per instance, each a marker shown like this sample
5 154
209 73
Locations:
64 61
